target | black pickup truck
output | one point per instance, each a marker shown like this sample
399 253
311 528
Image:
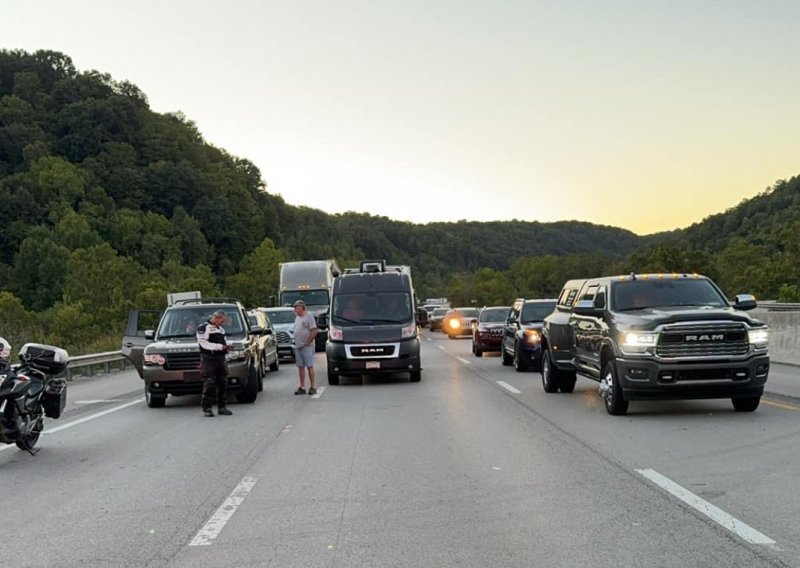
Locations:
655 337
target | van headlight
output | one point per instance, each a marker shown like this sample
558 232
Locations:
639 342
410 330
758 337
335 333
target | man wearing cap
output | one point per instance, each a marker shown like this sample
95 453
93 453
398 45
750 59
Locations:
305 330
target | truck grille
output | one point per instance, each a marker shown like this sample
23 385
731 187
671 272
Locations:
283 337
703 340
181 361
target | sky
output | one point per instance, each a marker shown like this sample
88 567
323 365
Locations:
641 114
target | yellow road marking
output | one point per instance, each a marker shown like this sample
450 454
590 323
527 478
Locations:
779 405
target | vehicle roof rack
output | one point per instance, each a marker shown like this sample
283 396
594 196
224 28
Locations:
205 301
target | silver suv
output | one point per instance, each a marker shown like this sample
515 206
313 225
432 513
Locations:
282 320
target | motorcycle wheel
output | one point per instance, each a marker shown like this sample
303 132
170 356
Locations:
27 443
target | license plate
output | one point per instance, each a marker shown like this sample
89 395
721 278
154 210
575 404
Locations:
192 377
373 364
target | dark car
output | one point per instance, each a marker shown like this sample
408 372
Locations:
267 342
487 333
168 358
458 323
436 319
522 334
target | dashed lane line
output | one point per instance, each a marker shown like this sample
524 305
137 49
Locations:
509 388
223 514
320 390
463 360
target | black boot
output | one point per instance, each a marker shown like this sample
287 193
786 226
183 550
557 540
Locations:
208 413
224 411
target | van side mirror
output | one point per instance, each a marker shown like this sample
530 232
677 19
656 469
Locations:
149 334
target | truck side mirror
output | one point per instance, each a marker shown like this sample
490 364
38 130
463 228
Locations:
744 302
149 334
587 308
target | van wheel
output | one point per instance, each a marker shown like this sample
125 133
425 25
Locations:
153 401
748 404
333 378
416 376
550 374
615 402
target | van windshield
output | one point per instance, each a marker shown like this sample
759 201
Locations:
373 308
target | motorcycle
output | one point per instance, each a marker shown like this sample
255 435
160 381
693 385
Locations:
29 392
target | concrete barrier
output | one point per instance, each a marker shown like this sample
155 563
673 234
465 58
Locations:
784 334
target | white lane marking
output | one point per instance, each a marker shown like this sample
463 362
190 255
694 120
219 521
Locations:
221 516
509 388
463 360
98 401
440 347
716 514
320 390
82 420
91 417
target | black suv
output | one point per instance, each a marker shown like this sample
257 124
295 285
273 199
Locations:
522 334
487 333
653 337
168 358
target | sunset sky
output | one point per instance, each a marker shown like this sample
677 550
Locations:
646 115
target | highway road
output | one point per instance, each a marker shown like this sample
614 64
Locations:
475 466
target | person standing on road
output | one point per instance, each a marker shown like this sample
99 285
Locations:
305 332
213 368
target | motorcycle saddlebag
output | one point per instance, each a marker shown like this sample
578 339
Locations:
46 358
54 398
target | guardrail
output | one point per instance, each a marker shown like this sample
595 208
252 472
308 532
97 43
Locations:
88 363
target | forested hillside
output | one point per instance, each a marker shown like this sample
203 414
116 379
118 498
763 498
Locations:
108 206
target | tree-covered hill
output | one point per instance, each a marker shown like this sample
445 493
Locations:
108 205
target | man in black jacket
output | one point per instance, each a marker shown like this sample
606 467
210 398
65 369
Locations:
214 369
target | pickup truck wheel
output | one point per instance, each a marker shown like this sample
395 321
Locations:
615 402
416 376
550 374
505 358
333 378
748 404
154 401
567 382
520 364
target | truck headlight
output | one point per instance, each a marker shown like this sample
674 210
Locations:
758 337
638 342
335 333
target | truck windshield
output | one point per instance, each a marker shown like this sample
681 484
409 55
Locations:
310 297
374 308
183 322
642 294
